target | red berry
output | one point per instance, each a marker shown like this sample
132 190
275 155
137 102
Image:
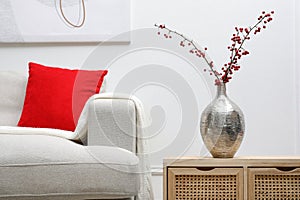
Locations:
217 82
205 48
264 27
263 12
158 33
272 12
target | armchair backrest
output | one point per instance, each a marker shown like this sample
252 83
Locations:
12 94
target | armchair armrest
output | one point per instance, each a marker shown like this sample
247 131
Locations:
119 120
112 122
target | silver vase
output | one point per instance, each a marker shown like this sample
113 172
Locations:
222 125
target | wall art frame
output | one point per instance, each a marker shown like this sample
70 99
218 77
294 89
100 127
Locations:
48 21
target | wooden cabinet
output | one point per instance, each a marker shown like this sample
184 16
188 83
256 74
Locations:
241 178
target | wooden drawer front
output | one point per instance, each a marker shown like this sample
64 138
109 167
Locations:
205 184
274 183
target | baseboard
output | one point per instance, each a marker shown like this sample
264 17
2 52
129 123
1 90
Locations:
156 170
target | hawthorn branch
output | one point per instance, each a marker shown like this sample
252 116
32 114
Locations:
198 50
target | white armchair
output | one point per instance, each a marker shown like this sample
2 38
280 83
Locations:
43 164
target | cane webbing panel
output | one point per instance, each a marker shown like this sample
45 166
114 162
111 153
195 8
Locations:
277 187
206 187
195 184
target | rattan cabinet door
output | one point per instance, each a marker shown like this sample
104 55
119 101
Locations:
274 183
205 184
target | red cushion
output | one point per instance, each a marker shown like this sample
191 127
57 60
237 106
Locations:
55 97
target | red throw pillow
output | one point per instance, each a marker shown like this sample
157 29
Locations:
55 97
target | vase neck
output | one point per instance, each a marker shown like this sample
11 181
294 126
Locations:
221 89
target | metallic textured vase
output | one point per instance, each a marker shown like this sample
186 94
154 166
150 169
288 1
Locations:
222 125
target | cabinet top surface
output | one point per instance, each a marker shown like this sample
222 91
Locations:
236 161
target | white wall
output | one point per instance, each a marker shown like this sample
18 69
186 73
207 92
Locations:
265 88
297 71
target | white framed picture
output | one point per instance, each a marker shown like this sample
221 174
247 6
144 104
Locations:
33 21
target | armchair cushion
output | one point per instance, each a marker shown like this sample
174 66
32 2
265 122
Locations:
56 168
55 97
15 130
